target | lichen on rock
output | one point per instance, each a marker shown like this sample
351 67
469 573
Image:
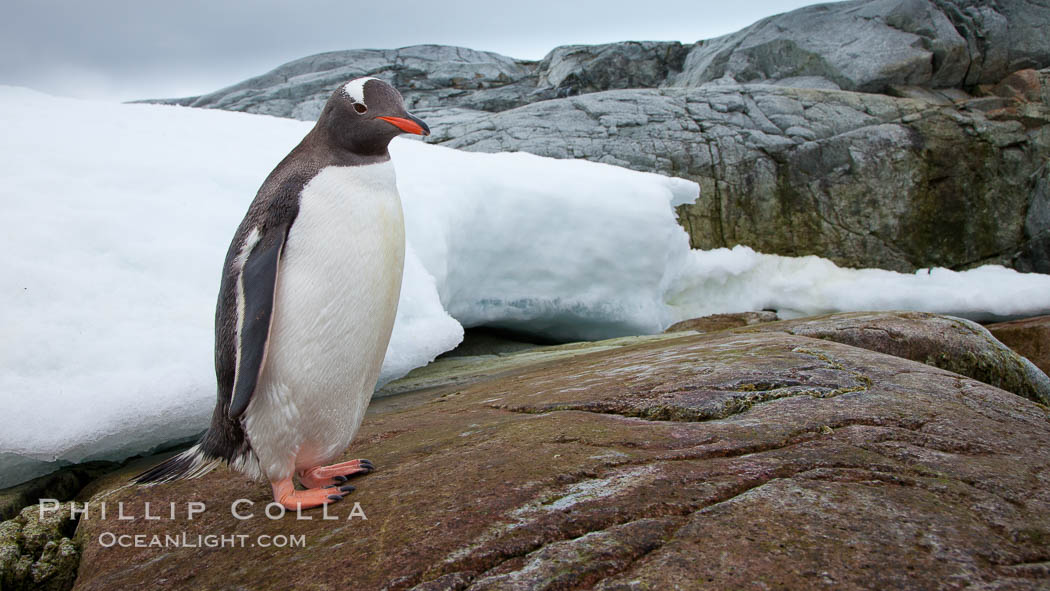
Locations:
36 550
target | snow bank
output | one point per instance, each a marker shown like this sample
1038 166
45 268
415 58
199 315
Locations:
567 248
119 216
740 279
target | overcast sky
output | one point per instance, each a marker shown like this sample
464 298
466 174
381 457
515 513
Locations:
122 50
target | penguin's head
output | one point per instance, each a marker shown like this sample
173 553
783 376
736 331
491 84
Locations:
364 114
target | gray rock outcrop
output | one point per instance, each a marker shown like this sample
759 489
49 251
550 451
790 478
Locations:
864 45
869 45
427 75
866 180
911 172
449 79
579 69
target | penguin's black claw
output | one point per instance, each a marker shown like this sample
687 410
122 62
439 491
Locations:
339 479
336 497
348 488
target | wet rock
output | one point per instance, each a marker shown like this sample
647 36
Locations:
717 322
1029 337
490 341
732 459
950 343
466 369
569 563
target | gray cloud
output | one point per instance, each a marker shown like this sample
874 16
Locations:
134 49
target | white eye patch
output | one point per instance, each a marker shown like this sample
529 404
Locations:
355 89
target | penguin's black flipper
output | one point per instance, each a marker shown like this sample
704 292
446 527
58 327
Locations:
256 290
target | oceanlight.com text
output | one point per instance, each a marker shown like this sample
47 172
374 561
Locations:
110 539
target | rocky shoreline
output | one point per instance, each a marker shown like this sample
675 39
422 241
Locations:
838 441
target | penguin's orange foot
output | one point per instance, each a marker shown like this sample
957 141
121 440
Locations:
336 474
284 493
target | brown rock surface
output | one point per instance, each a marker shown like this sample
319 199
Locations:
1029 337
1024 85
950 343
745 460
717 322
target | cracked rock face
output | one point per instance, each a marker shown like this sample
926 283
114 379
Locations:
579 69
735 459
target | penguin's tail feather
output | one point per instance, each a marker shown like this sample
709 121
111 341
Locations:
192 463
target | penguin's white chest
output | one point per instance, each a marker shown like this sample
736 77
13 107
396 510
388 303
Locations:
338 285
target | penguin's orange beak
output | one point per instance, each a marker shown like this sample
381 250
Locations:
410 125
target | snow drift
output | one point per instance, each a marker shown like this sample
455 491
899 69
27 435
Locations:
118 218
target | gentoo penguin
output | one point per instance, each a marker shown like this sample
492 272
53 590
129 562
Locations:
306 305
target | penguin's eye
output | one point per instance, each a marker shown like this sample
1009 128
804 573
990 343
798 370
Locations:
360 108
